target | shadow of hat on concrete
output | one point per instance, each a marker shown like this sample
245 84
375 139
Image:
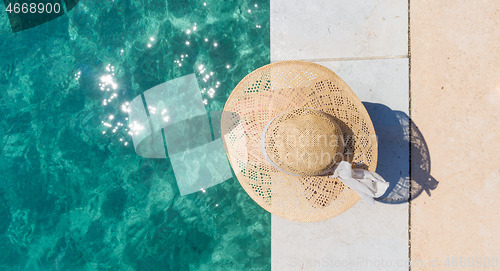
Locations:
404 159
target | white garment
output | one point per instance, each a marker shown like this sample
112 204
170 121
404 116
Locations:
366 184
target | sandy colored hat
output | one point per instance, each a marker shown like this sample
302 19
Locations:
286 127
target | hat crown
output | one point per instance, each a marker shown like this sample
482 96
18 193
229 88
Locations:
304 141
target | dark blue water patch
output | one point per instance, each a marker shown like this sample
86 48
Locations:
6 70
66 255
114 204
20 122
179 8
5 215
95 231
73 102
11 254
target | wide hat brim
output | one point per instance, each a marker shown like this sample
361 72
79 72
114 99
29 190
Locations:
275 88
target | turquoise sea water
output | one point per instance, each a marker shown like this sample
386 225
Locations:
74 195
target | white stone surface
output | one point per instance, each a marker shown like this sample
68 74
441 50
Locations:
338 28
365 237
383 81
366 44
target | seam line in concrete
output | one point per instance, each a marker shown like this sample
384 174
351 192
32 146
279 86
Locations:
410 133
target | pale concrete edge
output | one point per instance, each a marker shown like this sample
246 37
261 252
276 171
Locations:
272 60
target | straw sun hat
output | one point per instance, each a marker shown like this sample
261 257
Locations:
292 130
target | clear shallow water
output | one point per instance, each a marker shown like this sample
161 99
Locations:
73 194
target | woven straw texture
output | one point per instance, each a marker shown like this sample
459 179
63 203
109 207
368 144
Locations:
304 142
266 93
